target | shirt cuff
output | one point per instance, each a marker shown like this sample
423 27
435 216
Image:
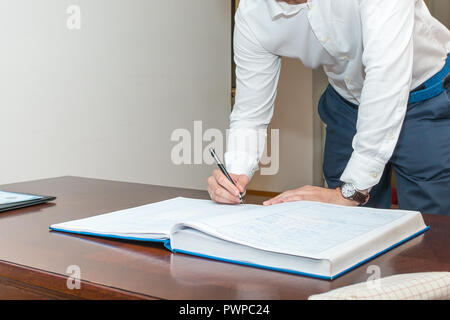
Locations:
240 163
362 172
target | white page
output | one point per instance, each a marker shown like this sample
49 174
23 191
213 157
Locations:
299 228
154 218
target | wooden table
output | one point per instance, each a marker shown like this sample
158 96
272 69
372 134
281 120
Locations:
34 260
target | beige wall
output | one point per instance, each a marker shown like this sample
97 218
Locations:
441 10
103 101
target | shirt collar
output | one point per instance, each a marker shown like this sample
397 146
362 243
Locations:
277 9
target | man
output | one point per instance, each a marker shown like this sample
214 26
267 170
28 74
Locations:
386 106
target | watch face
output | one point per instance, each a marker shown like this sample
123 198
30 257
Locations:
348 190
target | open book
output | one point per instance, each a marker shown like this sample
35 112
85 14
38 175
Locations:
307 238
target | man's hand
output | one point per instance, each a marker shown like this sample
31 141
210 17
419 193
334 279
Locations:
310 193
221 190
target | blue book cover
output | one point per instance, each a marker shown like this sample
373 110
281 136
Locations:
166 244
310 232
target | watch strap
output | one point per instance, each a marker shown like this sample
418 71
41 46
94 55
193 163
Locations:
360 197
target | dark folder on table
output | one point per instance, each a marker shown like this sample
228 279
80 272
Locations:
14 200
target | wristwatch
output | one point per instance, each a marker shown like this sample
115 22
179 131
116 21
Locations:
349 191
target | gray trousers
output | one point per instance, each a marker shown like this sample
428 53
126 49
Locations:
421 159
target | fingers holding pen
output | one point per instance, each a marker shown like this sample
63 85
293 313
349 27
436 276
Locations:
219 193
223 181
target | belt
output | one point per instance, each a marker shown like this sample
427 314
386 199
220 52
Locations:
432 87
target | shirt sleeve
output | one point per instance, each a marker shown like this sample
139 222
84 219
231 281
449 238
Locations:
387 31
257 74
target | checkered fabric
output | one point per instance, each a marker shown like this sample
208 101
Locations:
410 286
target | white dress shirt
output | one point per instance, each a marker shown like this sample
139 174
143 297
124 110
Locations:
373 52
